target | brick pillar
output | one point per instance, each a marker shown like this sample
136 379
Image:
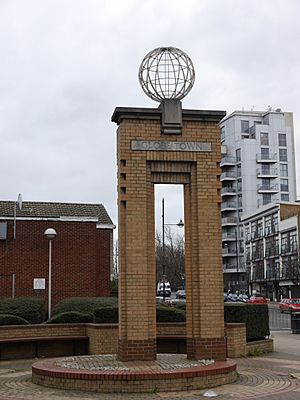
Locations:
147 156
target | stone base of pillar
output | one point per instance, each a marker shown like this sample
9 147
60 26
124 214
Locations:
134 350
208 348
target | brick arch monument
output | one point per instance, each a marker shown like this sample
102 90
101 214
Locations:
170 146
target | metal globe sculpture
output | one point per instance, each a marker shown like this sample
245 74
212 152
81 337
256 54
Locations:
166 73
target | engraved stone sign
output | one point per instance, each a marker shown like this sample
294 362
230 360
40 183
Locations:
158 145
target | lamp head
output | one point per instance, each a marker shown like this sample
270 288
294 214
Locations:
50 233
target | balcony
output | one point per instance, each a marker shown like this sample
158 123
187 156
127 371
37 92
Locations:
269 158
267 173
228 176
230 268
228 191
229 221
227 161
228 237
228 206
228 252
267 188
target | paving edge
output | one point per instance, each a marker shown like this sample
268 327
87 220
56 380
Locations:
46 373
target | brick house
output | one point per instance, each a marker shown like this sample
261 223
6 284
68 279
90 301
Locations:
81 250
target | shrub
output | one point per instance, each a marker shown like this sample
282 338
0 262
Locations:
181 305
106 315
71 317
85 305
114 287
31 309
255 316
169 314
8 319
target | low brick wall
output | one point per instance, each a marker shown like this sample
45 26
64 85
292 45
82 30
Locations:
266 346
103 338
18 331
236 339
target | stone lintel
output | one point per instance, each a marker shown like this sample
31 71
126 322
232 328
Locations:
121 113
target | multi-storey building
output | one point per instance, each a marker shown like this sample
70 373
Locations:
258 168
272 250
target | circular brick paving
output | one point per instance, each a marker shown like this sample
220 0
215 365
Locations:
104 373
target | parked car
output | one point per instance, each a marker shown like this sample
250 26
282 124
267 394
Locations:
257 299
180 294
232 297
243 297
289 305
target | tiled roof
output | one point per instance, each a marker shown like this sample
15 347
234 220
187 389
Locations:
56 210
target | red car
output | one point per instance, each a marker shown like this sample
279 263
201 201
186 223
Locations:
289 305
257 299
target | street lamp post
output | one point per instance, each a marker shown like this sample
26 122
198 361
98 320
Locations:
50 233
181 225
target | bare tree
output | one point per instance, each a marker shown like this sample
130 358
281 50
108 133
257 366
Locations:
173 258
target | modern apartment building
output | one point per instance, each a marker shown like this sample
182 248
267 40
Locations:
272 250
258 168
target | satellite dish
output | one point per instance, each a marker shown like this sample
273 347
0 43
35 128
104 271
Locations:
19 201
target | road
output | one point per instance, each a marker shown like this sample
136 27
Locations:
277 320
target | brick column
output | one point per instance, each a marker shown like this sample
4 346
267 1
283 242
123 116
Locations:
181 159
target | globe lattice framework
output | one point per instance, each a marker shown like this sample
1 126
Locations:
166 73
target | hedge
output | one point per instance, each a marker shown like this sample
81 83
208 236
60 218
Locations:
71 317
8 319
106 315
85 305
169 314
255 316
31 309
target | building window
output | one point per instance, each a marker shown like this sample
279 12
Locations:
239 170
260 228
264 138
284 243
222 133
240 201
293 242
282 139
265 169
266 183
239 185
267 198
285 197
268 225
283 155
284 170
238 155
284 185
245 126
264 153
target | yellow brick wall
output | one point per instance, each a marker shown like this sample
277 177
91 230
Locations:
137 173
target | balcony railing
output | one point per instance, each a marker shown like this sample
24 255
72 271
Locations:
267 188
229 221
229 252
228 205
228 191
228 175
262 173
228 236
227 160
271 157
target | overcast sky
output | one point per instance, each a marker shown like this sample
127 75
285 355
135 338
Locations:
66 64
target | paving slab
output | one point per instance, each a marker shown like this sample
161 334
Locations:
271 377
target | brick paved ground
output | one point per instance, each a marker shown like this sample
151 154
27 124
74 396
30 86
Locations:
272 377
